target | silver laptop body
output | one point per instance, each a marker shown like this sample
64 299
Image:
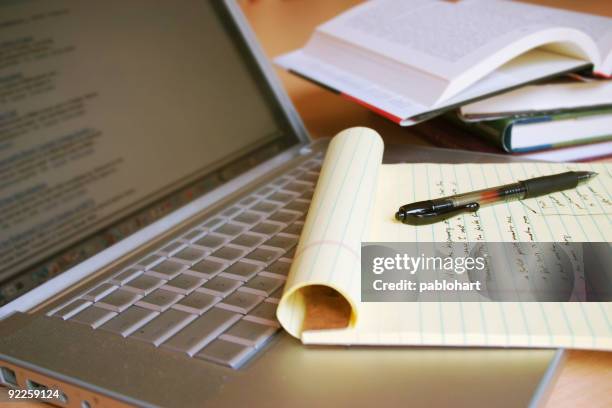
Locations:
180 310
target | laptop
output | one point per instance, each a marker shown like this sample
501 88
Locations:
154 179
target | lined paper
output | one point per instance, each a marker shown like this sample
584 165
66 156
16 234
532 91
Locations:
355 201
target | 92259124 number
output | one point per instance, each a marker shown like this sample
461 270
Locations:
31 394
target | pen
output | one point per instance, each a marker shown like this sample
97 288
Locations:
430 211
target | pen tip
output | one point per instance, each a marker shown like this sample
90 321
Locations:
400 215
584 176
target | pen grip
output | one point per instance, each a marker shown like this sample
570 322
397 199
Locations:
549 184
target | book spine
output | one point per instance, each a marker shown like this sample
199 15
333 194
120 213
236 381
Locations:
490 136
457 138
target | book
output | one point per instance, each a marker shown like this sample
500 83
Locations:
412 60
554 97
587 152
354 202
546 131
451 133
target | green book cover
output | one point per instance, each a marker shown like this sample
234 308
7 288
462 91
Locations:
499 131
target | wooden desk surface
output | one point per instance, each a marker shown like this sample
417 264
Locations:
283 25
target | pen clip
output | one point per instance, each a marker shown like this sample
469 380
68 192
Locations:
432 216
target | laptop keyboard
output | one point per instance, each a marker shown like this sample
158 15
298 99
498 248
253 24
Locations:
212 293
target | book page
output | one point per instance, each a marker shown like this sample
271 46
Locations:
543 97
580 215
447 38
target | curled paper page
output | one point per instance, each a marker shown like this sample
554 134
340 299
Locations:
327 260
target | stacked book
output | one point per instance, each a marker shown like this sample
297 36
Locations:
490 61
554 121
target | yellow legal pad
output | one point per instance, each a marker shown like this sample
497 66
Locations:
354 202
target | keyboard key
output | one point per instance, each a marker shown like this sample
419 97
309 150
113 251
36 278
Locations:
315 164
128 321
275 297
265 313
295 173
264 191
99 292
262 285
279 268
197 302
283 242
282 197
298 205
307 195
163 326
294 229
184 283
230 229
144 284
266 207
220 286
273 276
167 269
248 218
284 216
281 181
264 256
240 302
290 254
125 276
228 254
190 255
172 248
71 309
212 241
226 353
249 333
193 235
93 316
150 261
248 240
159 300
310 177
268 228
213 223
119 300
246 202
202 331
298 186
230 212
310 164
206 268
241 270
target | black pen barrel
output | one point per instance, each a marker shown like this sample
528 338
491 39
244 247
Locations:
549 184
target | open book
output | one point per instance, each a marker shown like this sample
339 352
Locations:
411 60
355 201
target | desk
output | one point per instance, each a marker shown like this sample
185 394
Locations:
283 25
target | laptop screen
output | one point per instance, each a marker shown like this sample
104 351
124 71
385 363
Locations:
112 114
